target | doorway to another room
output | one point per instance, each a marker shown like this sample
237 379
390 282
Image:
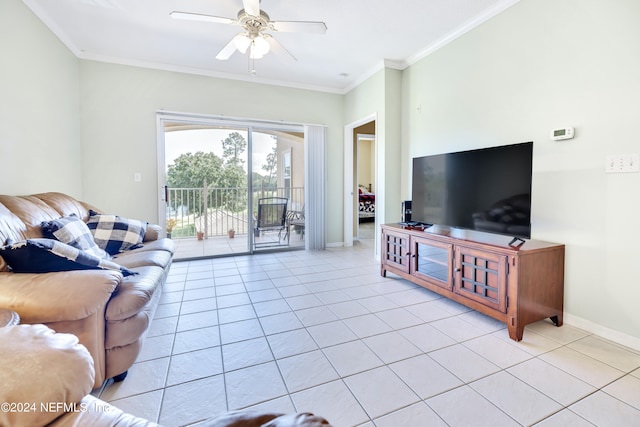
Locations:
365 180
361 201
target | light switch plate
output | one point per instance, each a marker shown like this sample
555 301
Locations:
622 163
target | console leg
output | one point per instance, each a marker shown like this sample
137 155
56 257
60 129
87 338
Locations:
557 320
383 272
515 332
120 377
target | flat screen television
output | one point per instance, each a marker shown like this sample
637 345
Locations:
487 189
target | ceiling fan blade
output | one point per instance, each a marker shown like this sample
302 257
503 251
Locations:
299 27
252 7
227 51
199 17
279 49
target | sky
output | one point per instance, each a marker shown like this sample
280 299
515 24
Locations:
191 141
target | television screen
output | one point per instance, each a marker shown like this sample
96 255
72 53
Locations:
487 189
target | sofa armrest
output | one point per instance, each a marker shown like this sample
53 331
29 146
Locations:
60 296
154 232
45 374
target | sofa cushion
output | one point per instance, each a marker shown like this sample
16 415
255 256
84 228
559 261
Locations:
140 258
162 244
64 204
37 297
48 255
114 233
45 374
134 293
75 232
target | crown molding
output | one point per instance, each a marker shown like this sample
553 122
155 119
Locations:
52 26
363 77
460 31
204 72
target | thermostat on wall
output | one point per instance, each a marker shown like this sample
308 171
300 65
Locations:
559 134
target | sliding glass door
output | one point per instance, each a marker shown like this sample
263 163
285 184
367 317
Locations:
219 176
278 188
206 188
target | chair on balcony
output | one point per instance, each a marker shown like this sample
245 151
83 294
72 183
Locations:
272 217
295 220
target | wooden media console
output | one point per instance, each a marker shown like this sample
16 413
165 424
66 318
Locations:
516 284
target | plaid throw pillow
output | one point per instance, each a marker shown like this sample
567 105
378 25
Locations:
48 255
115 234
74 232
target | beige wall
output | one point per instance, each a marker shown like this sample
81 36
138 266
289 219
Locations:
366 163
40 146
364 154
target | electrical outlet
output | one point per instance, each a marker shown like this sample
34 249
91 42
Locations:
137 177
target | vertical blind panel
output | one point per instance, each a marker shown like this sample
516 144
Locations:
315 177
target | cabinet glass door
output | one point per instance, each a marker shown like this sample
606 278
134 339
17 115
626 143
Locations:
432 262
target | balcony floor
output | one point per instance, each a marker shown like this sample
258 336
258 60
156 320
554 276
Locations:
190 248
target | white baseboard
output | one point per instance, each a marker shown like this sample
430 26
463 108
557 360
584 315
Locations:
335 245
606 333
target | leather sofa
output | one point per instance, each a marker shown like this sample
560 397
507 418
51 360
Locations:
109 313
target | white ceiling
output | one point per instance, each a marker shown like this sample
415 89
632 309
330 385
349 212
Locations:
362 35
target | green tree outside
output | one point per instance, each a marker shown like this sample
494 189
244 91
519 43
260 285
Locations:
192 170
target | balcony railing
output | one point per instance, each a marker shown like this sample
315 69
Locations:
214 211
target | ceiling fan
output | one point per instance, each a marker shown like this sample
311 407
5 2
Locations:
254 36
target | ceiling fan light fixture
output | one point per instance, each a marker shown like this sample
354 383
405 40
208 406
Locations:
242 42
259 47
255 54
254 37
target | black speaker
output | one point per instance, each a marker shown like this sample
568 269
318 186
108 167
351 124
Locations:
406 211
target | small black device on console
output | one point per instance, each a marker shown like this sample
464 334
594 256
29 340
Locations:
406 211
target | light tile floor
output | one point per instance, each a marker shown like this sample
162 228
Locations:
324 332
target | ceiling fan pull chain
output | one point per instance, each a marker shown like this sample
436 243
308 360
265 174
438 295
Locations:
251 65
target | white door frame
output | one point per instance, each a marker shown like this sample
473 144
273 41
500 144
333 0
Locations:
348 174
